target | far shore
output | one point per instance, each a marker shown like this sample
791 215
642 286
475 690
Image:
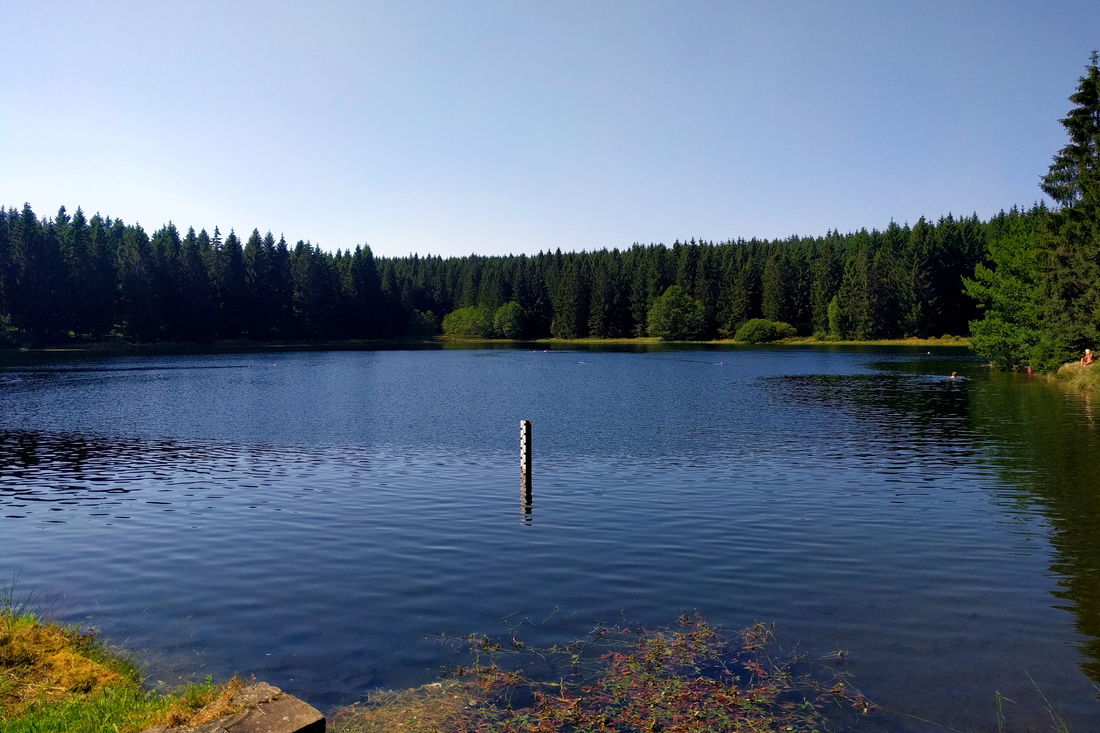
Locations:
173 347
227 345
794 341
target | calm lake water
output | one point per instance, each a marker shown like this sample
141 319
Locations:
317 519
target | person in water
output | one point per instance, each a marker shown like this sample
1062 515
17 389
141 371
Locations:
1088 357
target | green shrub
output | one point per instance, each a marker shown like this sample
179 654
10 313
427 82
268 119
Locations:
676 316
508 321
469 322
761 330
1006 345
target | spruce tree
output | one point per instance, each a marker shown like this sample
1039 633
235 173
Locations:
139 300
1005 290
1069 239
1040 291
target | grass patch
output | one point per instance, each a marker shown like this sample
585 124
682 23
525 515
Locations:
62 678
693 678
1082 377
939 341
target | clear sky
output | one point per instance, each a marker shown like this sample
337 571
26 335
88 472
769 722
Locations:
492 126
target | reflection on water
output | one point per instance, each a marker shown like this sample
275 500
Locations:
45 472
527 500
1045 442
314 518
1042 440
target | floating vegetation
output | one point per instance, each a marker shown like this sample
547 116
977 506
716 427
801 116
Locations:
692 678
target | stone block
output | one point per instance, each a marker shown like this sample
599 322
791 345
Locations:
268 710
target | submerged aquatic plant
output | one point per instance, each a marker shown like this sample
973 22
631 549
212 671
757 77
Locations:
692 678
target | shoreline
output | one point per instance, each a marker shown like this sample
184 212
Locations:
230 345
793 341
214 347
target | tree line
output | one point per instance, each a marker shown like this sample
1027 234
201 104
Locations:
73 277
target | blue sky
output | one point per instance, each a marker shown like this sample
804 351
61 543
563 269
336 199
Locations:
495 127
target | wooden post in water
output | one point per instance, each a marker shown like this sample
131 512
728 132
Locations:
525 460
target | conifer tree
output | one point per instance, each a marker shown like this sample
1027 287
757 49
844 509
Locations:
229 283
824 283
47 308
1005 289
1070 236
773 296
1040 293
166 248
196 290
139 301
100 278
5 268
258 273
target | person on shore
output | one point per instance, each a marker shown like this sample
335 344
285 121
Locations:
1088 357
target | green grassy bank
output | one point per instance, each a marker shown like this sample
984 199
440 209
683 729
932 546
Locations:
1080 377
61 678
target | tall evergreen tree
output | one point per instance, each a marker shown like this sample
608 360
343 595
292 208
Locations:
230 284
1006 291
570 299
1041 294
773 296
100 280
1070 237
5 271
196 289
139 301
166 247
48 309
258 257
824 283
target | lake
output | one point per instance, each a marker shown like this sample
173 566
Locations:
319 518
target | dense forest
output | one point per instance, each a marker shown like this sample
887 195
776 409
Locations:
74 277
1026 281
